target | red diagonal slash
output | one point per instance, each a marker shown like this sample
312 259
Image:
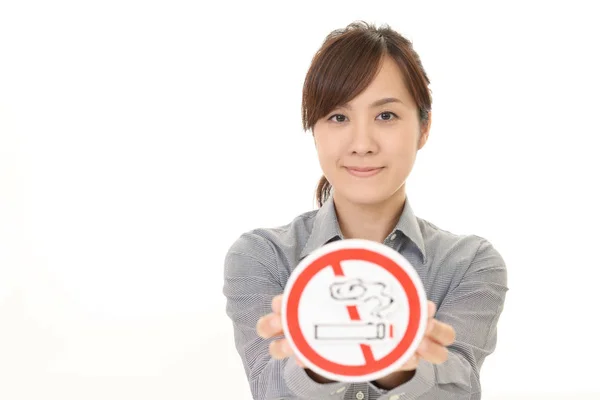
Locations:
354 316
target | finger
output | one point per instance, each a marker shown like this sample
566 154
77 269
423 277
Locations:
411 364
440 332
433 352
276 304
430 309
280 349
269 326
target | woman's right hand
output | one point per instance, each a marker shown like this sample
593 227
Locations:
270 326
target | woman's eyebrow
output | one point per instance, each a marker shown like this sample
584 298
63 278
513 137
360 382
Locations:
377 103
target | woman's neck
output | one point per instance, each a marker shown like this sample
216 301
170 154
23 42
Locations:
373 221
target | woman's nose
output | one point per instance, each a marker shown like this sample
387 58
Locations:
363 140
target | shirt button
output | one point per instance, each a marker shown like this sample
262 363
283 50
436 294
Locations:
393 236
360 395
394 397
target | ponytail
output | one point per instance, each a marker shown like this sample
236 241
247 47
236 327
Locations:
323 191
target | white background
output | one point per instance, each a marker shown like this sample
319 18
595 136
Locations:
138 140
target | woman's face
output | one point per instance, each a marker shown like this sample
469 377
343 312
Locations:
367 134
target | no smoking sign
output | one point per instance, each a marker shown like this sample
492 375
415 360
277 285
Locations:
354 310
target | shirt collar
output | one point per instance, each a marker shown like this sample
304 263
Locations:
327 229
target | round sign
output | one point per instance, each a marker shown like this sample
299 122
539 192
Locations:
354 310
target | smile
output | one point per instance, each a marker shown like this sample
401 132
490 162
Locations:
363 172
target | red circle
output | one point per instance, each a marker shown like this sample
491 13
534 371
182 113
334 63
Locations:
331 259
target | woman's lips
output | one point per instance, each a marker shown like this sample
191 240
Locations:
363 172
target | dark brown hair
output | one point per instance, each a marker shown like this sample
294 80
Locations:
346 64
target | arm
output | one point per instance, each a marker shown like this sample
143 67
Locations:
473 309
251 281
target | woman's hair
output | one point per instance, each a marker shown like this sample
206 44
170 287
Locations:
344 66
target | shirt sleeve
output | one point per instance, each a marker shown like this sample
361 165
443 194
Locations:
472 308
251 280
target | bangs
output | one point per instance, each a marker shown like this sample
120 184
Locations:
340 71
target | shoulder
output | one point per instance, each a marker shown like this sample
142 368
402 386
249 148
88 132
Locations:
274 247
468 252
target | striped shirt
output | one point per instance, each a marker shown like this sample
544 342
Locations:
464 275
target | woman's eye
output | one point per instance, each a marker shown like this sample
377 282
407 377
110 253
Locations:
338 117
388 115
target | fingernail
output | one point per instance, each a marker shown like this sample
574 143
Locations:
285 347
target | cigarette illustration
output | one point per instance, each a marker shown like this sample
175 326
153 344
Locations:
354 331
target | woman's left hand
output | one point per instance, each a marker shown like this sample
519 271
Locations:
433 347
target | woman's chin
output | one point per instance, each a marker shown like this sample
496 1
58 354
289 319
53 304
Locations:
364 197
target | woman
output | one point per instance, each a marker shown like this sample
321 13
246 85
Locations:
366 101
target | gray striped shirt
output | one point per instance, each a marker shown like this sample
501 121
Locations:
464 275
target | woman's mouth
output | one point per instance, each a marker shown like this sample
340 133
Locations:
363 172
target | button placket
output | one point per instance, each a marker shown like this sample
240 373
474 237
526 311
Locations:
396 396
340 390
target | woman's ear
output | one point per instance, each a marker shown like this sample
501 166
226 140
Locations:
424 134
